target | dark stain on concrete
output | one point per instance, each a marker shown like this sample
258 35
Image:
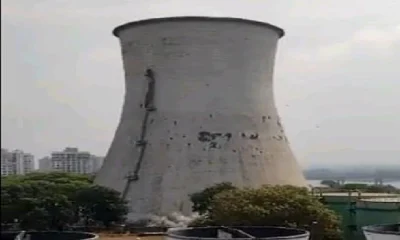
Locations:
228 136
254 136
279 138
214 145
278 122
205 136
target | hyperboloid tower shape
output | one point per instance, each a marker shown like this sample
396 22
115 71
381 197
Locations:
199 109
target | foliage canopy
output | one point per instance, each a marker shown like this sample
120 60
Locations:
266 206
43 201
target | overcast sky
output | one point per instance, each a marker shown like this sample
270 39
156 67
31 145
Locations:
337 79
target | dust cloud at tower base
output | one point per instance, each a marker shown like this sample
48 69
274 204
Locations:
199 110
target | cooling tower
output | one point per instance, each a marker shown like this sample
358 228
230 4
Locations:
199 109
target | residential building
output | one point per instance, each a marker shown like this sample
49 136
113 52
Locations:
74 161
16 162
45 164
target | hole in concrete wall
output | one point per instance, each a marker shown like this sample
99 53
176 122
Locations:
243 135
263 118
234 150
189 144
141 105
278 122
228 136
184 136
213 145
175 122
269 117
207 84
151 121
254 136
279 138
211 115
261 151
171 138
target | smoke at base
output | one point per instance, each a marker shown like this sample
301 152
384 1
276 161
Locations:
174 219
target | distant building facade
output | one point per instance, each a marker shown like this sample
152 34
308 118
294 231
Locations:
45 164
97 163
71 160
16 162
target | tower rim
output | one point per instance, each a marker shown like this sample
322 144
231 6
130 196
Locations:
122 27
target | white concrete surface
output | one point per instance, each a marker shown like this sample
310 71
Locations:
213 76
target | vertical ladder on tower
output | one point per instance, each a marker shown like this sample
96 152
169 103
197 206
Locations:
141 143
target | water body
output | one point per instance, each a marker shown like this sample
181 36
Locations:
316 183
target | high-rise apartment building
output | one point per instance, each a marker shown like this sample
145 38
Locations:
74 161
16 162
45 164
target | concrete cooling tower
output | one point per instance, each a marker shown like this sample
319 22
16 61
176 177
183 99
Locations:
199 110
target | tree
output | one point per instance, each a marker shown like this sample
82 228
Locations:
49 212
53 200
271 206
330 183
202 200
100 204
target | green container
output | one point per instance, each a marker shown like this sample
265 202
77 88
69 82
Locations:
376 211
345 205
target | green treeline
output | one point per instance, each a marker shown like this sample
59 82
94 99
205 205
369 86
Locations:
48 201
361 187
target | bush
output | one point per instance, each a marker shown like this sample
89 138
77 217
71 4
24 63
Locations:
271 206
